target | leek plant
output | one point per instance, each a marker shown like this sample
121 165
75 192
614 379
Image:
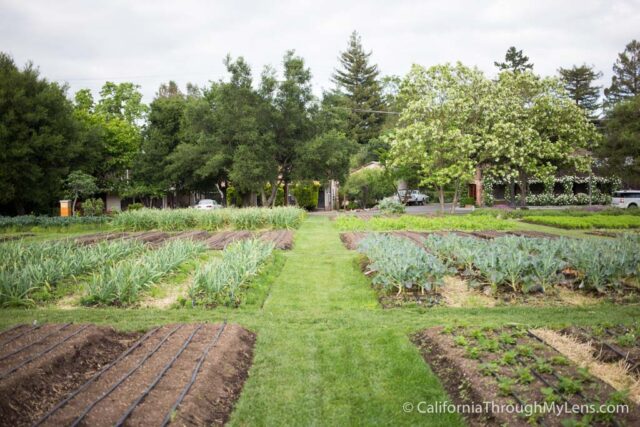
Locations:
30 267
122 283
221 280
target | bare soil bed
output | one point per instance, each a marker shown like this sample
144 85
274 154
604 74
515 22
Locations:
184 374
511 366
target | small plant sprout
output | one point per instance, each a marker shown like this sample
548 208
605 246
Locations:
460 341
508 358
559 361
489 368
505 385
524 375
569 386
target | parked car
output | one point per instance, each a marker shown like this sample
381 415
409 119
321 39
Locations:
207 204
412 197
626 199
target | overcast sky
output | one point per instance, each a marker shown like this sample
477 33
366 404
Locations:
148 42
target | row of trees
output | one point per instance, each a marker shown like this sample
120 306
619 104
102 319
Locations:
434 126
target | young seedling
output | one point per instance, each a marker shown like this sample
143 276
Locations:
524 375
568 385
524 351
489 345
508 358
626 340
507 339
489 368
542 366
505 385
559 361
473 352
550 395
460 341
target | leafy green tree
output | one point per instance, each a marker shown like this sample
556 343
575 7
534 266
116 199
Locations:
291 115
367 186
359 80
80 184
620 150
325 157
579 81
442 125
121 100
514 61
535 128
38 139
160 138
625 82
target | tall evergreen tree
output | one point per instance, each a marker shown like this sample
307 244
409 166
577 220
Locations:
359 80
625 82
578 82
514 60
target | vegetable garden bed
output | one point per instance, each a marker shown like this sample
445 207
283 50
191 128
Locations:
511 366
419 223
587 222
176 374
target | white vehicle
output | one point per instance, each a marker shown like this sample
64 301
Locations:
412 197
626 199
207 204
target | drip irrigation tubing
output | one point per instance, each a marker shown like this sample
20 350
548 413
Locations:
122 379
157 379
42 353
194 374
21 334
94 378
24 347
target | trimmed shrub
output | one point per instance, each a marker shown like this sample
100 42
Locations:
306 194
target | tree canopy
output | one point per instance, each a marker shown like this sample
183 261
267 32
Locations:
514 61
625 82
579 81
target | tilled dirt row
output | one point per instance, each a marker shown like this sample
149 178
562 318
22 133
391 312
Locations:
352 239
473 379
187 374
282 239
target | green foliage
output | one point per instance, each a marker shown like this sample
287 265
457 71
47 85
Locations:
359 80
306 194
184 219
93 207
525 264
579 83
122 283
222 280
514 61
400 264
38 139
390 205
620 149
32 268
135 206
27 222
417 223
587 222
625 82
368 185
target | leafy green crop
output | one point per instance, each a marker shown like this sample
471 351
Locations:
401 265
410 222
587 222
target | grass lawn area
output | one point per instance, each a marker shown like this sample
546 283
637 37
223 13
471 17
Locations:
326 353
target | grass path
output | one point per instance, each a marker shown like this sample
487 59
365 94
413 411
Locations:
326 353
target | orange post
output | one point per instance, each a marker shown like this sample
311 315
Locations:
65 207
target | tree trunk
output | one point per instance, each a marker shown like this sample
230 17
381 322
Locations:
441 198
455 197
286 193
512 187
73 206
222 197
523 189
274 194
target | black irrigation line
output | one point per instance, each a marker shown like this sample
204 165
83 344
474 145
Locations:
94 378
14 327
194 374
122 379
157 379
579 393
42 353
29 329
497 377
24 347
